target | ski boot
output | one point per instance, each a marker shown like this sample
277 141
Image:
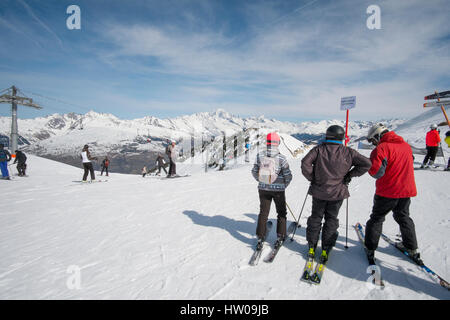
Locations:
311 252
412 253
280 241
259 244
415 256
324 256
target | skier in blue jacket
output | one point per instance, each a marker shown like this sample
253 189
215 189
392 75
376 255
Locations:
5 157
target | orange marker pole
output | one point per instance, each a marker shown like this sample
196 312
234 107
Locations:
346 129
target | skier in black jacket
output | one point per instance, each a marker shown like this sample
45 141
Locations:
21 158
161 163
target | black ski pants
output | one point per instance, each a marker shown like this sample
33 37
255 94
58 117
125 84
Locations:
172 167
265 200
328 210
104 168
400 208
21 167
161 166
88 168
431 155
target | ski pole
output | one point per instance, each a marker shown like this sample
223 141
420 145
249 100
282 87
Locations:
298 220
346 227
290 210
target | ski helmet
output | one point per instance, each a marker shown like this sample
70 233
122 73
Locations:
376 132
447 134
273 139
433 126
335 132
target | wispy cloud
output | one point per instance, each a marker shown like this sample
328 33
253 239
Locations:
301 58
40 22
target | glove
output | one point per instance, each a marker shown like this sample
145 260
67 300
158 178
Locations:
347 179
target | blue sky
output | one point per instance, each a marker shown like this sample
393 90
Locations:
290 60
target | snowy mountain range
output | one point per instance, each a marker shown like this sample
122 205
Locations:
134 143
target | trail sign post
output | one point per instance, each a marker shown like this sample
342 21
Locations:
347 103
439 103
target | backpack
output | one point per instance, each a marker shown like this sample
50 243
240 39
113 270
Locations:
106 163
268 170
168 150
3 155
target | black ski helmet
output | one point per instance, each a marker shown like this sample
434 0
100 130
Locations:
335 132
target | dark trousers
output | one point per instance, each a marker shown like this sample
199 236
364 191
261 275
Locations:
265 200
104 169
172 168
381 207
431 155
162 166
88 168
328 210
4 168
21 167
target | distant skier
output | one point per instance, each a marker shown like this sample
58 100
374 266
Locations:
161 163
329 167
87 164
447 140
432 142
5 157
144 171
105 166
271 170
21 159
172 154
247 151
392 166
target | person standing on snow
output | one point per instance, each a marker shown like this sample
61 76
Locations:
447 140
21 158
144 171
105 166
392 166
160 163
87 164
432 141
329 167
172 154
271 170
5 157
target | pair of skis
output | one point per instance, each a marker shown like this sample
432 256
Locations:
273 253
377 280
314 277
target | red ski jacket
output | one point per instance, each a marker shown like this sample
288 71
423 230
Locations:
392 166
433 138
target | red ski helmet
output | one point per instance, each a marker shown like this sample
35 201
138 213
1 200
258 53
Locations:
273 139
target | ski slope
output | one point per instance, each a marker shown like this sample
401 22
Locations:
191 238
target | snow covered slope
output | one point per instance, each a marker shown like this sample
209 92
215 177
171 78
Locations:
192 238
414 130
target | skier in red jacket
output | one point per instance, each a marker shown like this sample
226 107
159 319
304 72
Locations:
392 166
432 141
